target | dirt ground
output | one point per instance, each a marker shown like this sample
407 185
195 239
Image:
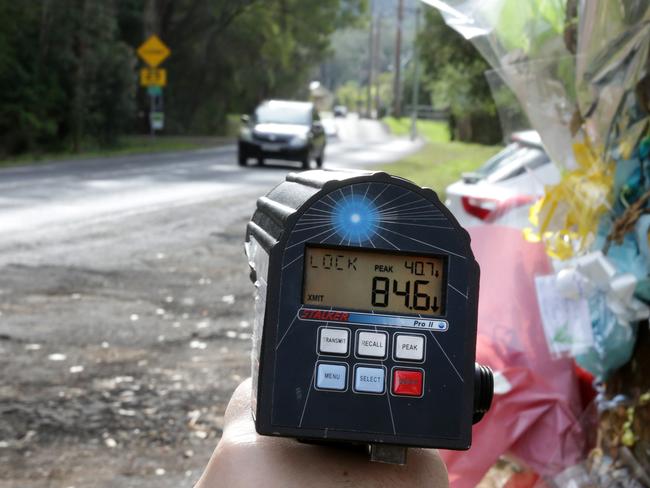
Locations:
120 348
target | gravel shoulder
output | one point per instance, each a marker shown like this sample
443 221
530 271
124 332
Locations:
118 360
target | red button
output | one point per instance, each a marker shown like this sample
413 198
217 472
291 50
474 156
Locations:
407 382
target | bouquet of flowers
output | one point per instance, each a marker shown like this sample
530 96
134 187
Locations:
581 72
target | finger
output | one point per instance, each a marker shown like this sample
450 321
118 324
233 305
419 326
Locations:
239 405
238 419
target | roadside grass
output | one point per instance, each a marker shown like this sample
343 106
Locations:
127 146
233 125
440 162
430 130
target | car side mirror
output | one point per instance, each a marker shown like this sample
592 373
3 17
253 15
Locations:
317 124
245 119
471 177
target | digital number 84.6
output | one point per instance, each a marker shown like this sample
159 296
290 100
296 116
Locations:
418 301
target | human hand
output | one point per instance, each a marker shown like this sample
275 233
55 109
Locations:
245 459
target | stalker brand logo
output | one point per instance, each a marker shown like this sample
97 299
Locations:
323 315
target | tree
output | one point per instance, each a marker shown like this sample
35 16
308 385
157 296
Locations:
28 93
68 68
351 95
227 56
64 74
425 96
104 75
456 71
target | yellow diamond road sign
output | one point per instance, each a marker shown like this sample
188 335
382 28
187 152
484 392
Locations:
153 51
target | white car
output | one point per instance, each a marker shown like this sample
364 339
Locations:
503 189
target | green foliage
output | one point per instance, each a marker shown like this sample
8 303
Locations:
64 74
68 69
456 73
104 81
352 95
23 117
349 58
227 56
425 85
526 25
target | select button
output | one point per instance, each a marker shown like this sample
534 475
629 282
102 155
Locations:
369 380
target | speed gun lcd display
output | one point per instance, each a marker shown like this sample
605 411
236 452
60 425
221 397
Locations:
374 281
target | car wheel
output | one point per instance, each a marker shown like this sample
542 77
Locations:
260 161
242 159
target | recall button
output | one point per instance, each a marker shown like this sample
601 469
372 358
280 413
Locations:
409 347
331 377
407 382
369 380
372 344
334 341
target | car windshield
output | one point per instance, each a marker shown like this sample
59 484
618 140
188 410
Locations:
272 113
513 160
498 160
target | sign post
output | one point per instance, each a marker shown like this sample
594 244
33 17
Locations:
153 52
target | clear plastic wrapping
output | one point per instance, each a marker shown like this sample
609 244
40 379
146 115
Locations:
579 69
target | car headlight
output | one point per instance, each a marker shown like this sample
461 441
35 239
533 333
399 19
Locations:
298 141
246 134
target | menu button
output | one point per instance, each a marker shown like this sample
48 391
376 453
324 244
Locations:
331 376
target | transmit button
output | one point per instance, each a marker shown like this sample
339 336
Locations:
409 347
407 382
372 344
331 377
334 341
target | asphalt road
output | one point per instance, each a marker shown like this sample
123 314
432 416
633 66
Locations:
125 308
56 198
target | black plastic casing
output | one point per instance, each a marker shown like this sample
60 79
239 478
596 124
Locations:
285 402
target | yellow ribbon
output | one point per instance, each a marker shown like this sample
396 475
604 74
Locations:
566 218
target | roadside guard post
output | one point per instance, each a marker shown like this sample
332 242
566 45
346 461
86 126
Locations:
365 315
